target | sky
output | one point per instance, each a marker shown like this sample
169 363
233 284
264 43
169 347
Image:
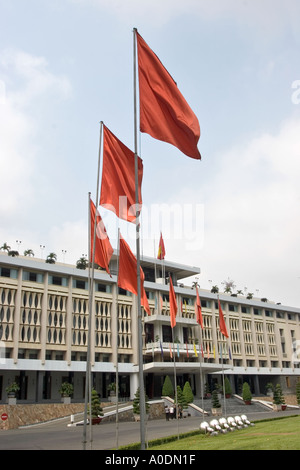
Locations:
66 65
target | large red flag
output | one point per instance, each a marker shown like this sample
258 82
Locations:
103 249
173 304
127 276
198 310
161 249
222 324
118 178
164 113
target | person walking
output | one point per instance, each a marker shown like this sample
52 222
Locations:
167 411
171 412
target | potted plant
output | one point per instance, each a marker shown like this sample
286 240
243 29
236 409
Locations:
207 393
278 399
112 391
136 405
269 389
246 394
228 390
66 390
96 409
216 405
11 391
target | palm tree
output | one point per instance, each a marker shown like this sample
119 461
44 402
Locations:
51 258
13 253
214 290
28 252
82 263
5 247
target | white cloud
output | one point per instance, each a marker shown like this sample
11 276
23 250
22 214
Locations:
27 83
268 16
252 223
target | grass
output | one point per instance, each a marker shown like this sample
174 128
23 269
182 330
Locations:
275 434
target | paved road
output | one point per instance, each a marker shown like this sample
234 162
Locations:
57 435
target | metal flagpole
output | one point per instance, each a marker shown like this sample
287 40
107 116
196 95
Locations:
201 374
223 381
175 385
88 385
139 310
117 340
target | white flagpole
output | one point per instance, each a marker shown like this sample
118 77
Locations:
139 310
88 384
117 340
201 374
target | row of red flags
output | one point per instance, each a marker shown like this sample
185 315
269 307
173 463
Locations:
166 116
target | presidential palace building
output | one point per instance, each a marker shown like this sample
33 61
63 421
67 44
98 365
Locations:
44 333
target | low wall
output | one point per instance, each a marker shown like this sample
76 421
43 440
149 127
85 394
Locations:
24 415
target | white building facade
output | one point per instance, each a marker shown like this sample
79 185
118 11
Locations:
44 333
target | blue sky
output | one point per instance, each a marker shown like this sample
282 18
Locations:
65 65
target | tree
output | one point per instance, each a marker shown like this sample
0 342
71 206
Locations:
278 398
51 258
5 247
13 253
82 263
167 389
28 252
181 399
214 290
187 392
227 385
96 409
298 393
246 393
136 403
215 400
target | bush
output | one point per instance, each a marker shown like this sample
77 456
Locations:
187 392
215 400
167 389
181 398
228 390
136 403
298 393
278 398
246 393
96 409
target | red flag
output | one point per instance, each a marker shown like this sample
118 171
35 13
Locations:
173 305
161 249
164 113
222 324
127 277
118 178
198 310
103 248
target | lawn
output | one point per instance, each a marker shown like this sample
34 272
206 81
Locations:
276 434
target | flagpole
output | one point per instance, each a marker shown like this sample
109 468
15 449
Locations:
201 374
88 388
223 380
139 310
117 340
175 385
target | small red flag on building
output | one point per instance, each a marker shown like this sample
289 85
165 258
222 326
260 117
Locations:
127 276
164 112
118 178
198 310
173 304
222 324
161 248
103 249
